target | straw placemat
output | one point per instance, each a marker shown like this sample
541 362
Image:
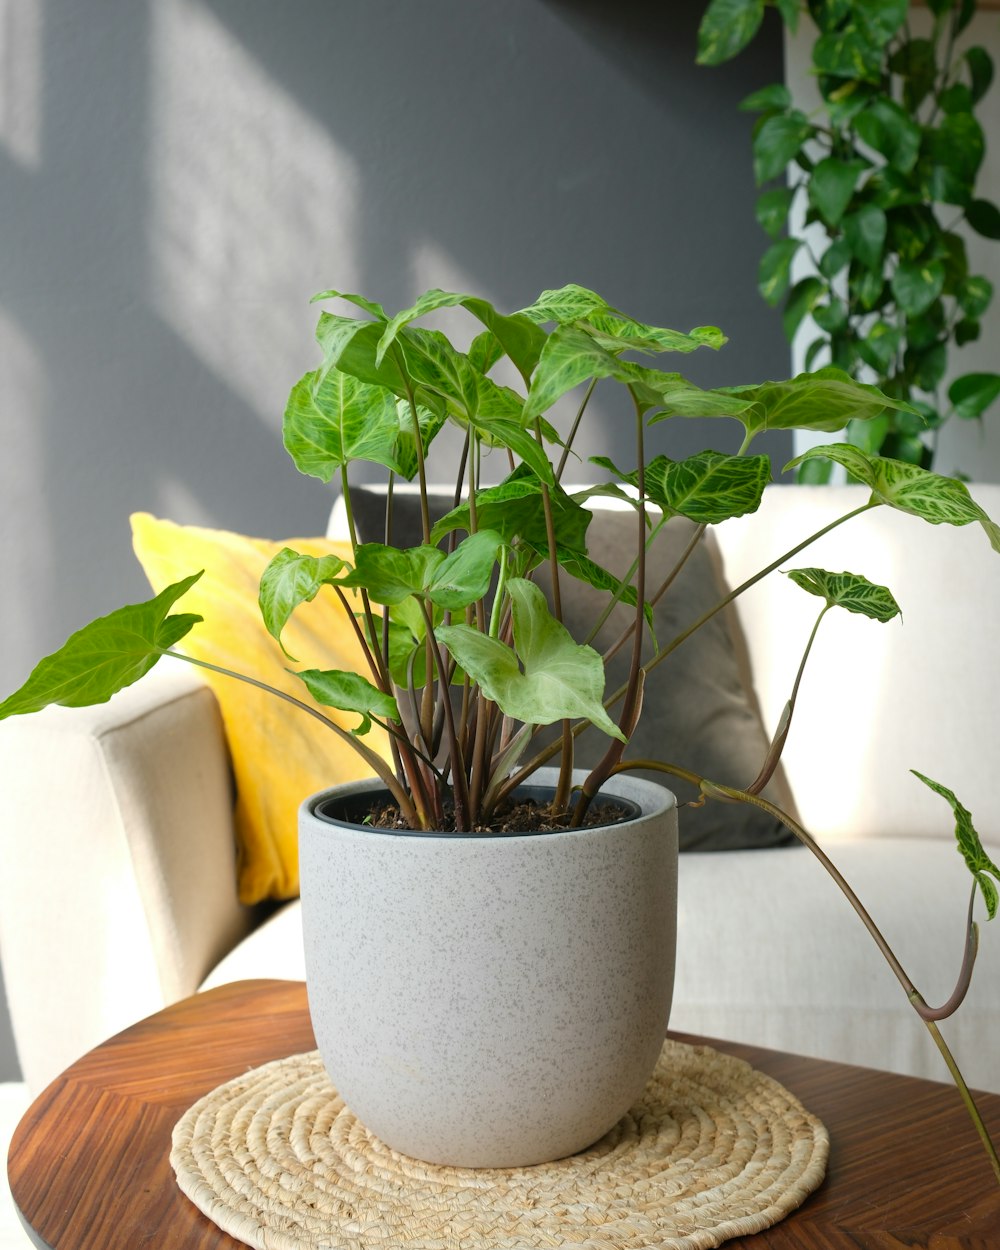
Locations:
713 1150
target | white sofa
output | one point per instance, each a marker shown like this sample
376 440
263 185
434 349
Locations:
117 892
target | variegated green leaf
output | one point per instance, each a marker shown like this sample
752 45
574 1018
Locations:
561 679
616 333
464 576
565 304
390 574
515 509
349 692
360 301
935 499
430 423
432 362
726 29
970 846
334 419
289 580
105 656
708 487
570 356
848 590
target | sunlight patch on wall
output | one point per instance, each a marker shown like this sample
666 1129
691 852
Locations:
250 198
21 80
26 552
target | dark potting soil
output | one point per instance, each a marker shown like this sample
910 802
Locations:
526 816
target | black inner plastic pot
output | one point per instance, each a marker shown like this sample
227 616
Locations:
350 811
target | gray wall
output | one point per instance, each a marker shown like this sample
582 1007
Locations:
179 177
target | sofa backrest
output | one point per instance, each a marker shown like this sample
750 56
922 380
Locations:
877 700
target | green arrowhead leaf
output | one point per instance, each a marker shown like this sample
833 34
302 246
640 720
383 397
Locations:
708 487
973 393
850 591
464 575
570 356
561 679
909 488
434 363
390 574
825 400
514 509
565 304
333 419
105 656
349 692
970 846
290 579
726 29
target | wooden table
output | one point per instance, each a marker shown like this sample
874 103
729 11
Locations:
89 1169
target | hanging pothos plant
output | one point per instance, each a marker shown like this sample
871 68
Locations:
884 175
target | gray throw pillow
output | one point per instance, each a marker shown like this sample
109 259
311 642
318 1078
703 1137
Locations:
699 710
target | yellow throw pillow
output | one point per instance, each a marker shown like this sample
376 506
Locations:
280 754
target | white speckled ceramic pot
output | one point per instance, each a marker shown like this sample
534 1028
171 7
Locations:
487 1001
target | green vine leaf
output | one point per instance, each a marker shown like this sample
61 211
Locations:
973 393
970 846
772 209
708 487
832 186
332 419
916 286
850 591
774 272
105 656
777 141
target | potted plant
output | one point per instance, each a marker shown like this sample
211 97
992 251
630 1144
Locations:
883 175
516 926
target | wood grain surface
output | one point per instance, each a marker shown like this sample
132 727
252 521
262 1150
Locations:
89 1168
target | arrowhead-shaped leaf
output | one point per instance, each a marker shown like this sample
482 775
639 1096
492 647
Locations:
515 510
105 656
464 575
333 418
561 680
565 304
850 591
290 579
935 499
391 575
978 862
349 692
708 487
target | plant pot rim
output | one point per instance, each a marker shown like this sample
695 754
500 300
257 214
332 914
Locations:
639 796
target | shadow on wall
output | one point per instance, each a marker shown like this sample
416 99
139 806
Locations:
179 177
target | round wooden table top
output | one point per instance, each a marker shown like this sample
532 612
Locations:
89 1164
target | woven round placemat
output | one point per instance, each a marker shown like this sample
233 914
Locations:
713 1150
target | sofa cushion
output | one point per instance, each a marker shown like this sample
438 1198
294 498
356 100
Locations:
280 755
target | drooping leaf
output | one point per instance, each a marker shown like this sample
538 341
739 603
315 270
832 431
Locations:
391 574
802 299
616 333
350 692
980 71
430 424
360 301
561 679
864 232
570 356
777 141
333 419
774 271
908 487
772 209
974 295
880 344
105 656
825 400
831 187
916 286
464 575
434 363
726 29
773 98
289 580
848 590
889 129
958 146
973 393
847 53
984 217
970 846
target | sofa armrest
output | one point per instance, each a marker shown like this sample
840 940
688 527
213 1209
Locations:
118 889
